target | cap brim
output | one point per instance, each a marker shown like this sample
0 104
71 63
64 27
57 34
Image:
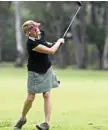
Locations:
37 24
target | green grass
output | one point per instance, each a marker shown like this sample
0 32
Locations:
80 103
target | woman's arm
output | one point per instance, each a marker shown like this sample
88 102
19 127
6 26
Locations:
43 49
49 44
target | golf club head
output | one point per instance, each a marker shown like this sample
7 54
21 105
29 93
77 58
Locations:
79 3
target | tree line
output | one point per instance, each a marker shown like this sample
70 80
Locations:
86 43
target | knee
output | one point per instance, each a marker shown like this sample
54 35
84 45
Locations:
46 94
30 99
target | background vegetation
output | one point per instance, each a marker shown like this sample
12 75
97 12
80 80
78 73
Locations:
86 42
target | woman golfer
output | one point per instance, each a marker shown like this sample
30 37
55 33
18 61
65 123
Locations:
41 77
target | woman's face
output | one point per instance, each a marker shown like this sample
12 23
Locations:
35 31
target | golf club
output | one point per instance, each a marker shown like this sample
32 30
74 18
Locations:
79 4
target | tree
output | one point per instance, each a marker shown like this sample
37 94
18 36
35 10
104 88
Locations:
79 38
105 53
96 32
4 11
19 43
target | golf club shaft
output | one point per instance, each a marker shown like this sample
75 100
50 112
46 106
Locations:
71 22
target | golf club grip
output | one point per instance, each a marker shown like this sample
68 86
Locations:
61 44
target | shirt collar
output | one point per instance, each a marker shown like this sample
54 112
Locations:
32 38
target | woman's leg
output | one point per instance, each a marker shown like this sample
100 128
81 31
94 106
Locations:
26 108
27 105
47 106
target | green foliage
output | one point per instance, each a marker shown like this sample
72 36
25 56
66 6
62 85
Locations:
92 54
9 46
96 35
49 14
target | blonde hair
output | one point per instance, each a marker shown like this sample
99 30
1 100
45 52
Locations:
26 27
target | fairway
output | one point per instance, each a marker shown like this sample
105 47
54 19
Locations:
80 103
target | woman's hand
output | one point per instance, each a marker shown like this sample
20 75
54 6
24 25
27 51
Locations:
61 40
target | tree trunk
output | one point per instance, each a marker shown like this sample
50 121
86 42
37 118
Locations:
83 37
19 43
0 47
105 53
4 14
100 53
61 60
97 24
61 56
78 31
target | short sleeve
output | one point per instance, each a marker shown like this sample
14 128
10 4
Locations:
34 44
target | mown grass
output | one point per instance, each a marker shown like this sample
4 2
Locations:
80 103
